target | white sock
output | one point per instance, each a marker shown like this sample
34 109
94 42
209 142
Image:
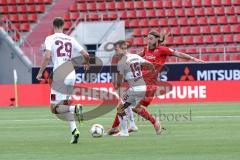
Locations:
72 125
72 109
130 117
123 122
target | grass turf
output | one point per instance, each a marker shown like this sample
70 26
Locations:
211 132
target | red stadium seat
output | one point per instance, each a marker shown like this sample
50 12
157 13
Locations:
4 9
40 8
126 23
73 8
177 4
13 17
167 4
231 49
82 7
93 17
74 15
211 50
112 16
143 23
180 12
22 2
170 12
215 57
11 2
101 6
110 6
182 21
188 40
47 1
185 30
141 13
158 4
67 25
178 40
193 21
236 3
138 5
226 2
91 6
208 39
145 31
187 3
229 10
227 57
123 15
236 57
216 2
21 9
215 29
198 39
233 20
134 23
202 20
23 18
160 13
12 9
3 2
129 5
225 29
199 12
39 1
138 41
170 41
237 37
189 12
209 11
31 8
197 3
219 11
66 17
195 30
163 22
218 39
237 9
131 14
153 22
228 38
235 28
207 3
172 22
32 17
119 5
205 57
222 20
137 32
212 20
25 27
148 4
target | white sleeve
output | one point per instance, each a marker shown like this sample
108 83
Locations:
76 46
47 44
142 60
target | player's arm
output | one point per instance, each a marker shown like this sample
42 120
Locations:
86 57
47 58
118 82
186 56
141 53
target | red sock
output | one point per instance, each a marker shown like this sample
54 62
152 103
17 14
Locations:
116 122
145 114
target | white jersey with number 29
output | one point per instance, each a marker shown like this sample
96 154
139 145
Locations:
62 48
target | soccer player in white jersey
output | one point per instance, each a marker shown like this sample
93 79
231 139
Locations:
129 68
59 48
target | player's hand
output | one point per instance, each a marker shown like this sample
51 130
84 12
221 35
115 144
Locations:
39 76
86 66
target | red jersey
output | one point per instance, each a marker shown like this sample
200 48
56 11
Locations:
157 57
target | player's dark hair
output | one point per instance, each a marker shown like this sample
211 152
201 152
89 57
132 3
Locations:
160 36
58 22
121 43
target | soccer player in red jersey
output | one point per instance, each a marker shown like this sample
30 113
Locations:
157 54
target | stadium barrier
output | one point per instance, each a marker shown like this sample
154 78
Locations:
181 92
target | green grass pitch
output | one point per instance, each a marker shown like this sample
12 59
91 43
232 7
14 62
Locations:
211 132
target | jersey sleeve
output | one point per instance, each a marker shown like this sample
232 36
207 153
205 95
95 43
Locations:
142 60
77 47
47 44
166 51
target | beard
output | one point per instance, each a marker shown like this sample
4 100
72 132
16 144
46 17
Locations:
152 46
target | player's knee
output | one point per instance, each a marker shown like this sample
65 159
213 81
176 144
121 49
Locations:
54 108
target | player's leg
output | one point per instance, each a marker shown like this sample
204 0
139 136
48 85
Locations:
122 119
132 125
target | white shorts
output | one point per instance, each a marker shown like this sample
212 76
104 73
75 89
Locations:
133 95
56 95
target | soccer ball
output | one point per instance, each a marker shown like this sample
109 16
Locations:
97 130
